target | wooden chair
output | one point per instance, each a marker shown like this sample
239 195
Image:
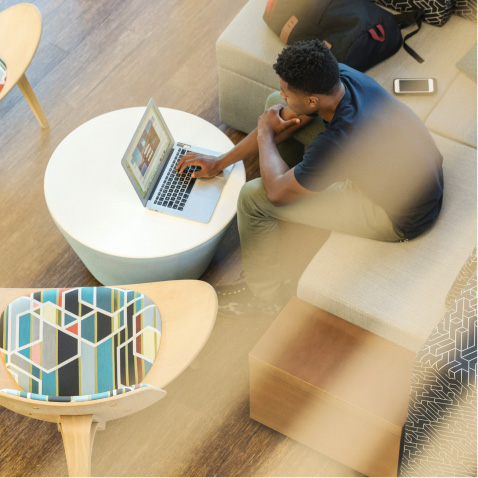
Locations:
20 32
188 311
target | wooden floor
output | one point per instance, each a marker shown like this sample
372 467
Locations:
95 57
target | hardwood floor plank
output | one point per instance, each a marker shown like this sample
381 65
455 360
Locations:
72 22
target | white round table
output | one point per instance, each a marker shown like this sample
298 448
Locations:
94 205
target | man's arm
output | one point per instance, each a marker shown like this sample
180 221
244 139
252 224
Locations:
279 180
210 166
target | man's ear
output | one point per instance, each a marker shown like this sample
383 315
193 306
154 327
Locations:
313 101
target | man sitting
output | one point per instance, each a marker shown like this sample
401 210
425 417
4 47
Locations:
371 168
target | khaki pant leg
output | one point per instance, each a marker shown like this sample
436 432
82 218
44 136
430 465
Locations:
341 207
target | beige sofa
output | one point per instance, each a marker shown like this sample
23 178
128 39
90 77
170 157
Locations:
394 290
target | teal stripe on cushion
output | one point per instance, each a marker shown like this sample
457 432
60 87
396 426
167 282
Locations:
104 357
49 383
69 319
130 295
88 328
88 295
17 307
24 331
50 295
37 396
25 352
97 396
103 299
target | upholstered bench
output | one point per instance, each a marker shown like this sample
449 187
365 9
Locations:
398 291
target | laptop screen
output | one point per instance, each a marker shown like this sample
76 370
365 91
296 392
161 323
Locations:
148 148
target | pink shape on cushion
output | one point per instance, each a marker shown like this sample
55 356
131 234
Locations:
36 353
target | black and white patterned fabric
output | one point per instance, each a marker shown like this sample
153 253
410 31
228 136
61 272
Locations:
435 12
439 437
466 9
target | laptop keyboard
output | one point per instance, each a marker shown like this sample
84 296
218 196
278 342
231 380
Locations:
176 188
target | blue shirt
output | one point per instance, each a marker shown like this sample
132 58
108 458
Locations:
384 148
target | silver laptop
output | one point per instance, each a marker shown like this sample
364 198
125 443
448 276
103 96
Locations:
150 163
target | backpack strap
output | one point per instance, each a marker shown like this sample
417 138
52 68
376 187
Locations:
404 20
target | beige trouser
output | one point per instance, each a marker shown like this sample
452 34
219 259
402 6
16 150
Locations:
341 207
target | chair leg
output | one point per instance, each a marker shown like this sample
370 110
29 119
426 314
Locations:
29 95
78 433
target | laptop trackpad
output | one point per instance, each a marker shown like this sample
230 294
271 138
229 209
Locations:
209 187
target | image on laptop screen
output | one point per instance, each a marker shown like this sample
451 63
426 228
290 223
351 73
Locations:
147 150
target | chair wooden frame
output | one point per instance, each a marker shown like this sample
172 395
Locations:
20 33
188 311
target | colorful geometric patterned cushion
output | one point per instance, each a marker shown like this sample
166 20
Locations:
73 344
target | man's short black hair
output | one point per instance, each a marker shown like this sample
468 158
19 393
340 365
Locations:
309 67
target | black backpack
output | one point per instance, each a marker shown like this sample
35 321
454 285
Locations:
358 32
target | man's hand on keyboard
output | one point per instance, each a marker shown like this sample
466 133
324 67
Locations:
210 165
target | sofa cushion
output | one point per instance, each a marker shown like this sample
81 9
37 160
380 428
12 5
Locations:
249 47
455 115
398 290
467 64
441 48
241 100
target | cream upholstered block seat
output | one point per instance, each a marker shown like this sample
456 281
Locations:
380 287
454 116
398 291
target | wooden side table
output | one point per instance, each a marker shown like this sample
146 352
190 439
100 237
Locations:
333 386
